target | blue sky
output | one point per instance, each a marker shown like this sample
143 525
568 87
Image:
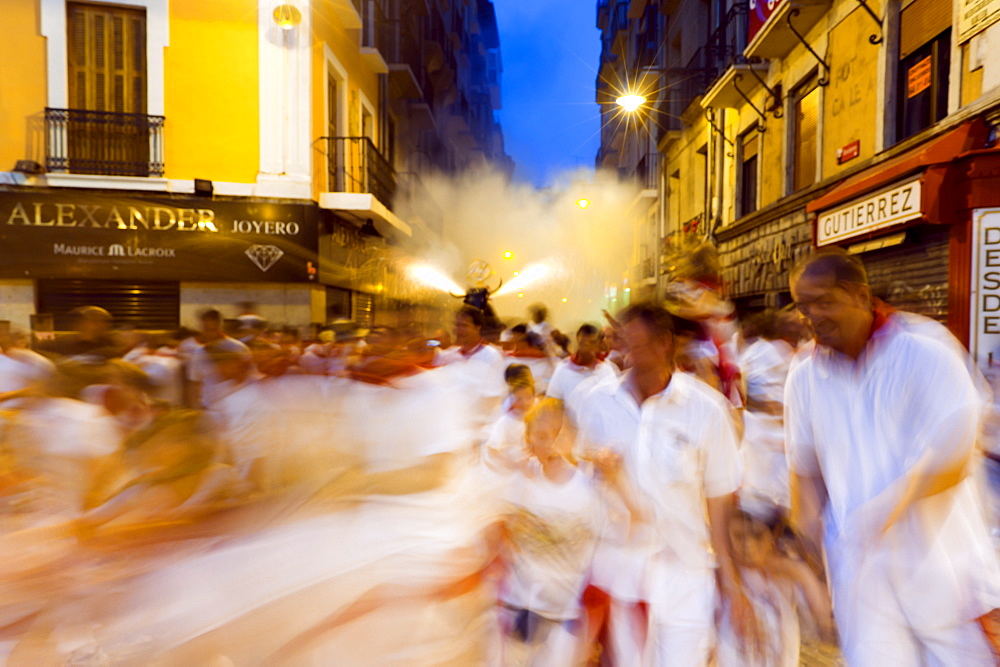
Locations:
550 51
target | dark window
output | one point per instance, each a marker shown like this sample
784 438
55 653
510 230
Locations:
749 156
338 304
923 86
805 139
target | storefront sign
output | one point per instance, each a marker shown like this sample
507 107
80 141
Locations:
760 13
918 77
75 234
885 209
984 314
974 16
848 152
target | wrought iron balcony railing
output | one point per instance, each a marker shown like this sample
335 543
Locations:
106 143
355 165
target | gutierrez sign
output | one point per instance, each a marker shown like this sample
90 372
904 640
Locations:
895 206
76 234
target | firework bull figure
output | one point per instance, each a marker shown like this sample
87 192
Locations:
478 295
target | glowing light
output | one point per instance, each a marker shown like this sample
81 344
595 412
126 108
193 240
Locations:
379 287
531 274
517 273
628 289
630 102
583 202
565 299
287 16
521 295
433 278
508 255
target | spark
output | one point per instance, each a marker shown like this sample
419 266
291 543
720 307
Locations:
431 277
529 275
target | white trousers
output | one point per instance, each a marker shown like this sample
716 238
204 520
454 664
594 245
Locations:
681 616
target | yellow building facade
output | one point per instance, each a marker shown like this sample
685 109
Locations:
286 137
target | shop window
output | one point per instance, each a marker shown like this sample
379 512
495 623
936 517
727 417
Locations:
924 62
107 58
338 304
749 149
805 140
132 304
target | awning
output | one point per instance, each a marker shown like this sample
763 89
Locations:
940 150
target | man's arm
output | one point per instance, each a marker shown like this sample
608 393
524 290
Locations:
808 500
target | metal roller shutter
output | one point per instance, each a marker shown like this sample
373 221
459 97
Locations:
138 305
913 278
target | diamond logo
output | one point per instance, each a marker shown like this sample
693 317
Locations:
264 256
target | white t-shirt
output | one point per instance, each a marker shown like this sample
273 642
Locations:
18 370
554 528
483 368
567 377
862 425
201 369
686 453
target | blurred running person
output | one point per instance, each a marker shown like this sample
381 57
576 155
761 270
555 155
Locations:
569 373
881 427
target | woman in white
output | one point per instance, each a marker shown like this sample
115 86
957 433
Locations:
553 519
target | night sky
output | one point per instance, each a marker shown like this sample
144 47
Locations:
550 51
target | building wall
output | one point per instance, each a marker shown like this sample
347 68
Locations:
211 82
22 84
17 302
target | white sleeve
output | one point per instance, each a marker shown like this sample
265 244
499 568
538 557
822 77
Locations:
556 388
723 470
800 447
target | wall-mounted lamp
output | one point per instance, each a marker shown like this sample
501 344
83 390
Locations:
287 16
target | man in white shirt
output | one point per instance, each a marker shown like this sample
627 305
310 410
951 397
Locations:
570 372
478 364
669 441
205 386
881 427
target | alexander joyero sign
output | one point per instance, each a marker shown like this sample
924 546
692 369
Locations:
75 234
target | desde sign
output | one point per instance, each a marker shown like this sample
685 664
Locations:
74 234
885 209
760 12
974 16
984 314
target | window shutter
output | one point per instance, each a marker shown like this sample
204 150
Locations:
922 21
107 61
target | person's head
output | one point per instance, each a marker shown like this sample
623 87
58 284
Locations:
521 385
588 342
468 325
648 334
211 324
91 321
752 539
542 425
831 292
538 312
611 338
230 358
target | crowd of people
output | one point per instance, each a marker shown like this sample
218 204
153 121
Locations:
674 487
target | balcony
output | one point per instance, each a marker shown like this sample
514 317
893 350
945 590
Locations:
603 10
406 72
348 11
376 34
104 143
362 183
